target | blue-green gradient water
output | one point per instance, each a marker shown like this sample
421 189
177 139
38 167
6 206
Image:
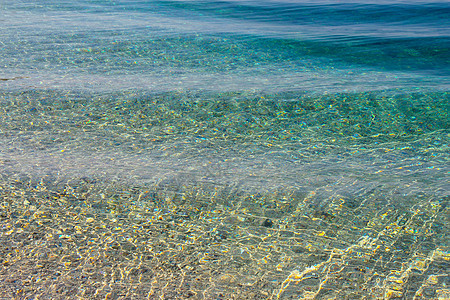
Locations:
226 45
308 141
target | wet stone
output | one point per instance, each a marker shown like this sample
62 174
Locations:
267 223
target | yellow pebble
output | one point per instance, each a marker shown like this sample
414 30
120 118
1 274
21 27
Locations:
433 279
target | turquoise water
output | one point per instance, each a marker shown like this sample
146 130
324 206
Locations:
234 45
224 149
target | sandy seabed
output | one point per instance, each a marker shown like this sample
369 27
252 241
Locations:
88 239
290 196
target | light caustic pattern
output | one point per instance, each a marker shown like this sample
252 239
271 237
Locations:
90 241
223 196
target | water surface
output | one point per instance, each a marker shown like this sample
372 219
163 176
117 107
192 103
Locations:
224 149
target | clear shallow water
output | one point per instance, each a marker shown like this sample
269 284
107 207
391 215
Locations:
304 145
